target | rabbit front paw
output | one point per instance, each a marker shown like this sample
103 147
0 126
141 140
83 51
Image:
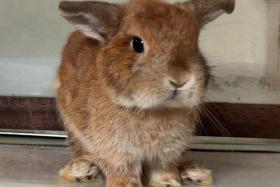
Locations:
166 178
80 170
197 174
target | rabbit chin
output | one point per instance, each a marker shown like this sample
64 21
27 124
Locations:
144 101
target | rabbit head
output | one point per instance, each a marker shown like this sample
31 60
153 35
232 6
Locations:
149 55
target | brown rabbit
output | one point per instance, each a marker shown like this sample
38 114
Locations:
131 80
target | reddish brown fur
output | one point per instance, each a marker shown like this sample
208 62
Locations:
116 104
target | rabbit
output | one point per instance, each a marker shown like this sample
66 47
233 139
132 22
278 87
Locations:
131 81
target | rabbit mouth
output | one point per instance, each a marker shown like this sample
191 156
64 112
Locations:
171 99
164 95
174 94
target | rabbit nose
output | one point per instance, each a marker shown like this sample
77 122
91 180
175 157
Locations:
176 84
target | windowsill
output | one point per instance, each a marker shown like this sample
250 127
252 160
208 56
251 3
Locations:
28 166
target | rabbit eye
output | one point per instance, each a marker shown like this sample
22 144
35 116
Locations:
138 45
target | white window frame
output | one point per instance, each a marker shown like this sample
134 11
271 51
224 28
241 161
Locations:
273 54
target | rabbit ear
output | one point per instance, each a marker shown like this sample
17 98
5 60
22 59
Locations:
98 20
208 10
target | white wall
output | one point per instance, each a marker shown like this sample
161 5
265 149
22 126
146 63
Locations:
32 35
31 28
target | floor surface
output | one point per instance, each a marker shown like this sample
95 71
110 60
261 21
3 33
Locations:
38 166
